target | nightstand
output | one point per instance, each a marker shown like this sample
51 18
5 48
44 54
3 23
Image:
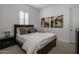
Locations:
7 42
77 40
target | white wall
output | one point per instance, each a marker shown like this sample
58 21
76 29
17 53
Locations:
9 15
75 17
62 33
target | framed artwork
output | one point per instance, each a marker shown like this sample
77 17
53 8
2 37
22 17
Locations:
45 22
53 22
57 21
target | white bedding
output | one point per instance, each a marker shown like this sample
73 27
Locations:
35 41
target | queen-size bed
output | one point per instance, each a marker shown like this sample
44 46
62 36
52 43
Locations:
34 42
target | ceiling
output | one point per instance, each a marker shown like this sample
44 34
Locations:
42 6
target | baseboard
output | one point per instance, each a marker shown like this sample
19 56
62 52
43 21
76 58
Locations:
64 41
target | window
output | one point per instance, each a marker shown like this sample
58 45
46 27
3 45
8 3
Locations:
24 17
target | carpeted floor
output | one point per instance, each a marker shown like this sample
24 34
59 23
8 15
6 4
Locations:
61 48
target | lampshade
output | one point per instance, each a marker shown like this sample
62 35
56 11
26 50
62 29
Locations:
7 30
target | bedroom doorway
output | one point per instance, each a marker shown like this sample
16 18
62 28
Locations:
74 22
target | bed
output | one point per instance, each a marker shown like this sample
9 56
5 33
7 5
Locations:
35 42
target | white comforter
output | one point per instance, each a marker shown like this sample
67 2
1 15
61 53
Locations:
35 41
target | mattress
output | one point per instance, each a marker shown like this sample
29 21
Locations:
35 41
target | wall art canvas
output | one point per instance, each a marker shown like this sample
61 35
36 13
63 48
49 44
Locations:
53 22
45 22
57 21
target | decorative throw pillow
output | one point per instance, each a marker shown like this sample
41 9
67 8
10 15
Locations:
23 30
31 29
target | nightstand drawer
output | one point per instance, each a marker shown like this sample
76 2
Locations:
7 42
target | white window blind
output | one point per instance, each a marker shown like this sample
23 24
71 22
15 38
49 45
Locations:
24 17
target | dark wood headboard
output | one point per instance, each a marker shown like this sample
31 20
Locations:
17 26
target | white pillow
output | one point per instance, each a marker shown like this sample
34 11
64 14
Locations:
18 32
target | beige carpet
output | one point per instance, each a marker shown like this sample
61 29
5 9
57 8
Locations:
61 48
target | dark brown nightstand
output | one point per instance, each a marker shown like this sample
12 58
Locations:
77 40
7 42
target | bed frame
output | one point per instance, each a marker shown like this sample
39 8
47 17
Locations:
45 49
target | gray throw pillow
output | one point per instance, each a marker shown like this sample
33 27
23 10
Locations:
23 30
31 29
